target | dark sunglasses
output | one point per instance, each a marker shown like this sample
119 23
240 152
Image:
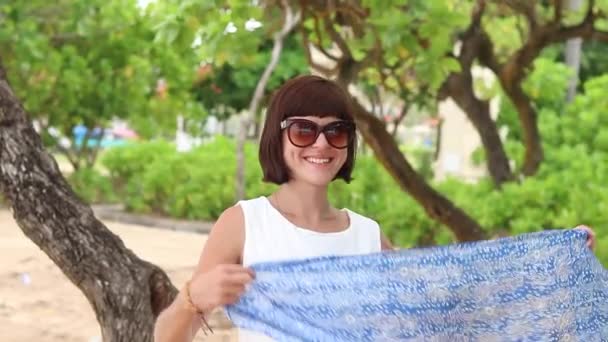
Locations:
304 133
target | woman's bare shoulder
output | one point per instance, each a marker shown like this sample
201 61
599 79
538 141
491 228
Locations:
226 239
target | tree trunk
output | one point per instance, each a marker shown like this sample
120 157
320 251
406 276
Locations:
386 150
528 118
460 88
436 205
290 21
125 292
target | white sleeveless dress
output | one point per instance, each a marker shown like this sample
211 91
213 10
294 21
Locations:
269 236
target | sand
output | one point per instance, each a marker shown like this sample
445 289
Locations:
38 303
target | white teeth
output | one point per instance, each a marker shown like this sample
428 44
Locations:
318 160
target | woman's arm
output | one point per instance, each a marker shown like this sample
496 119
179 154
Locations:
385 243
218 280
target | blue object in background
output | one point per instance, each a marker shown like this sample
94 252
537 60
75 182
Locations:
97 138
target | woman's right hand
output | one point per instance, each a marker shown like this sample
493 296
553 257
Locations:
222 285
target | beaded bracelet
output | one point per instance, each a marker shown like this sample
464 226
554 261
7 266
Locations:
190 306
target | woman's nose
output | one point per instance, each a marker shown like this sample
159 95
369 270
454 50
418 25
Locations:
321 141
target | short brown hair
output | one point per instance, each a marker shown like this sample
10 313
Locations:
302 96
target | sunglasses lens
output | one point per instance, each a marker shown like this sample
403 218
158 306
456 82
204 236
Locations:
303 133
339 135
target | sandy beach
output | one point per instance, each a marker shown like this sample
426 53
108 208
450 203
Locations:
38 303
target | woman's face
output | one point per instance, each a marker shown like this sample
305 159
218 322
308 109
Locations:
318 163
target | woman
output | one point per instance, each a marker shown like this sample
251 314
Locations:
308 141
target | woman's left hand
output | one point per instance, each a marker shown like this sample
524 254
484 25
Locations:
590 236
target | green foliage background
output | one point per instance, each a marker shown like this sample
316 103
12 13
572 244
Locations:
89 62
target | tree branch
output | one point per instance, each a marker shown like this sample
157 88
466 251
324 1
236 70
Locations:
459 86
319 67
486 54
290 21
399 119
527 9
478 10
514 69
468 51
375 55
400 84
558 11
68 153
353 16
335 36
434 203
585 30
356 12
319 44
528 118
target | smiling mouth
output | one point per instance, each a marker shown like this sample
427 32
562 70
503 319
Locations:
318 161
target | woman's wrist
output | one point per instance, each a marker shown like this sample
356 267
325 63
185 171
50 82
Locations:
186 303
186 299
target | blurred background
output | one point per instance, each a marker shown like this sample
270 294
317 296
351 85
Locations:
488 114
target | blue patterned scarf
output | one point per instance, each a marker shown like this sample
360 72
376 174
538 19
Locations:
542 286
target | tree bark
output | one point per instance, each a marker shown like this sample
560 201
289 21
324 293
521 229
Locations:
125 292
528 117
460 88
386 150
